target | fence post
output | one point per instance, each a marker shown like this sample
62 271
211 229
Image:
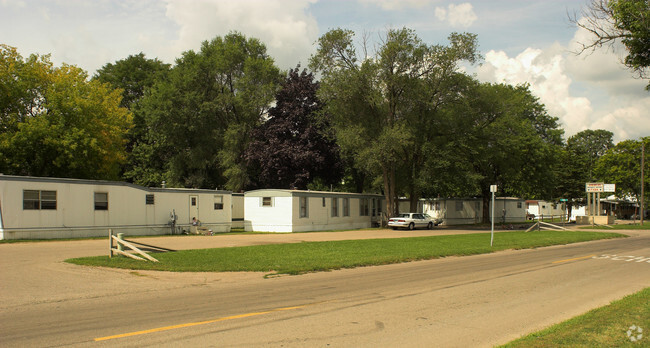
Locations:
110 243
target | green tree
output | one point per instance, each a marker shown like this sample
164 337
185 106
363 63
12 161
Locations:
625 20
62 125
578 161
134 76
621 165
381 104
504 136
198 116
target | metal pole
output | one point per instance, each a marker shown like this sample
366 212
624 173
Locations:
642 177
110 241
492 233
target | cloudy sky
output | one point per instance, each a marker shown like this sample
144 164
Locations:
521 42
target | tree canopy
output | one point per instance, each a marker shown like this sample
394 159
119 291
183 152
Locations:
293 147
378 103
57 123
627 21
199 115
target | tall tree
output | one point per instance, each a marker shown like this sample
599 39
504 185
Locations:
59 123
198 117
377 102
625 20
505 137
621 165
133 76
578 161
293 148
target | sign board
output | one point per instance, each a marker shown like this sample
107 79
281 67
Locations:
493 188
610 188
595 187
563 200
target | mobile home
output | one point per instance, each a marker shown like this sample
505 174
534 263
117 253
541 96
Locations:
298 211
43 208
459 211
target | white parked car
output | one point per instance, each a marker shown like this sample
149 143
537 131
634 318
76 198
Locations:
411 221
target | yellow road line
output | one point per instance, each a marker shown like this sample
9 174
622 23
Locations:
179 326
574 259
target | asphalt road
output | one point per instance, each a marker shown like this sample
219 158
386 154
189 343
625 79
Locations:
458 301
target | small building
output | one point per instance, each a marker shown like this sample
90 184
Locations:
463 211
538 209
275 210
44 208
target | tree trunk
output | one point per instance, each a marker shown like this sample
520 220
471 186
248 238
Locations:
388 173
413 199
486 205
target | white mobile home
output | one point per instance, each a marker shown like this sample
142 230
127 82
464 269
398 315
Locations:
458 211
537 209
299 211
35 208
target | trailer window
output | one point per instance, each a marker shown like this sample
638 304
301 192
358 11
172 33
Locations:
304 208
101 200
218 202
149 199
35 200
335 207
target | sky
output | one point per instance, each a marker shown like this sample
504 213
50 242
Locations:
521 41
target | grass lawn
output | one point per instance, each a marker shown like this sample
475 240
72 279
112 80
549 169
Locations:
323 256
631 226
602 327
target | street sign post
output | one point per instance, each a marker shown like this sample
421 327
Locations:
493 189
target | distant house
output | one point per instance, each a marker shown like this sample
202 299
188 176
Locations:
462 211
536 209
274 210
35 208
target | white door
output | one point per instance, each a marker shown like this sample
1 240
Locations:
194 208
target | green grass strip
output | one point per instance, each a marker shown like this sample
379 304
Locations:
323 256
602 327
630 226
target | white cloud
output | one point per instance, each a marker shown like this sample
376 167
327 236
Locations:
285 27
548 73
461 15
391 5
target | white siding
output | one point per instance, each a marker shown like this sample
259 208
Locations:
75 214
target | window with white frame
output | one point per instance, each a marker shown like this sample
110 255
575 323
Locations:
304 207
149 199
218 202
101 200
267 201
39 200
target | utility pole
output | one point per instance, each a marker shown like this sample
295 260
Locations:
642 181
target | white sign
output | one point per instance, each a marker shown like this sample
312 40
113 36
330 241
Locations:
594 187
610 188
493 188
